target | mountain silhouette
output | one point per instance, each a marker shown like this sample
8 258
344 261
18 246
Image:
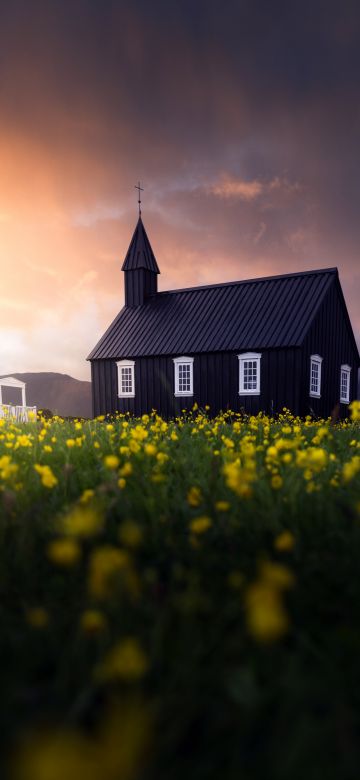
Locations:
60 393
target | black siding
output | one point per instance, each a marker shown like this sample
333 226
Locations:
139 284
216 383
329 336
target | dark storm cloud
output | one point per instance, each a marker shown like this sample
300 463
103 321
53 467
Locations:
190 95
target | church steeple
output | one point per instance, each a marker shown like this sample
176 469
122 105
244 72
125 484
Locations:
140 268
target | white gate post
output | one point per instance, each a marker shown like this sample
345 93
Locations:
23 397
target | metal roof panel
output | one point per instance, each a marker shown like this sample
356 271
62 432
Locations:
258 313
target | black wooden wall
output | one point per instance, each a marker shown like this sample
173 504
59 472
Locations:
330 336
216 383
139 284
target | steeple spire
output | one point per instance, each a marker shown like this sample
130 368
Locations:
140 268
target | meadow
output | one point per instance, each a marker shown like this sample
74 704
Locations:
180 599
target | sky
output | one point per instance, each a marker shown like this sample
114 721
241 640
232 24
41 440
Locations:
241 119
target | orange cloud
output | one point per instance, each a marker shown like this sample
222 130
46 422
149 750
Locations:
228 187
231 187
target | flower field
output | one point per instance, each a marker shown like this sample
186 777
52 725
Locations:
180 599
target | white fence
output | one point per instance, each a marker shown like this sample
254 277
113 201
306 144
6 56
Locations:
17 413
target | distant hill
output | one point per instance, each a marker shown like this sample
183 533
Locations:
60 393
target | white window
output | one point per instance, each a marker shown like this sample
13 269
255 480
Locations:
249 373
184 383
126 378
345 384
315 376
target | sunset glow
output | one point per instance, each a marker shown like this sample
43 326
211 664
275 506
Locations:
246 144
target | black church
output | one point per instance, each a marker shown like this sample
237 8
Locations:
254 345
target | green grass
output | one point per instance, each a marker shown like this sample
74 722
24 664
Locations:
215 695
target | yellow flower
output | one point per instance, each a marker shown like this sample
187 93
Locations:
70 754
222 506
200 524
162 457
92 621
317 458
239 478
70 443
126 469
355 411
229 444
150 449
139 433
194 497
121 483
24 440
64 552
276 575
82 521
266 617
351 468
111 462
284 542
276 482
7 468
37 617
48 479
134 446
126 661
86 495
105 564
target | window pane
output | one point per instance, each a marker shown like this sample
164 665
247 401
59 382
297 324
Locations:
344 385
314 385
184 378
126 380
250 374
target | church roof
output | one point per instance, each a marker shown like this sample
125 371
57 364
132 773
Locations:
140 254
269 312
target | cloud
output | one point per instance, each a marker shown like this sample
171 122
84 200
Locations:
244 131
228 186
260 233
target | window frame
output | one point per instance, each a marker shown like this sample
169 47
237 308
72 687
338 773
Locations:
126 364
247 357
188 361
317 360
346 369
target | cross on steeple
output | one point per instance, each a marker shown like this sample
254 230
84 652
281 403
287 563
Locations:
140 189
